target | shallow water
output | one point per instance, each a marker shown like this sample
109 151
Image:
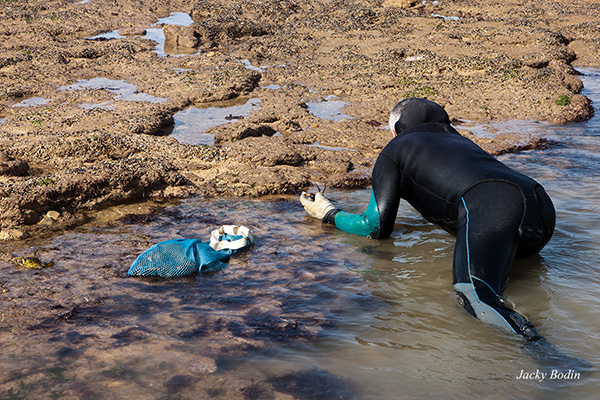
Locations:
328 108
423 346
119 88
192 123
158 35
319 145
249 66
107 36
308 310
32 102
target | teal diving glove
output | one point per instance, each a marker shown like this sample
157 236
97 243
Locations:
319 207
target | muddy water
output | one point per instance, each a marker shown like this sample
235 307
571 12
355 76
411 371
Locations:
308 312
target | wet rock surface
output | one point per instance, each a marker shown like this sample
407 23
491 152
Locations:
86 148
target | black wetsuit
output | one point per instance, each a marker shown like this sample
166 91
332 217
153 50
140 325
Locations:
496 213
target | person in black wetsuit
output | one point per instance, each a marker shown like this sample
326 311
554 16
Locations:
496 213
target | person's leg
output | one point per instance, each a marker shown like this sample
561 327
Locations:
487 238
488 234
538 224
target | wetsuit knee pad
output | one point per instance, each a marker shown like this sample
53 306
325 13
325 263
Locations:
484 304
467 297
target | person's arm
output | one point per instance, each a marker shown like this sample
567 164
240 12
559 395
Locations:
377 221
365 224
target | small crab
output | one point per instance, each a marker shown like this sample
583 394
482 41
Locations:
31 263
311 196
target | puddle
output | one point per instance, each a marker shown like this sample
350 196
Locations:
158 35
415 58
252 67
120 89
317 144
445 18
107 105
178 18
526 130
271 87
491 129
107 36
192 123
327 108
3 120
32 102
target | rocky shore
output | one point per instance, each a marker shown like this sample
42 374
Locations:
87 100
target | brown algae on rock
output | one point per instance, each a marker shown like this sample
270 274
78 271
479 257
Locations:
102 141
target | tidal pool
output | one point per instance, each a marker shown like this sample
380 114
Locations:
308 312
192 123
249 66
158 35
319 145
32 102
107 36
328 108
120 89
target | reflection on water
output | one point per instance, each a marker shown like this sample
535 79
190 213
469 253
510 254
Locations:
445 18
158 35
308 312
119 88
319 145
32 102
252 67
178 18
192 123
328 108
107 36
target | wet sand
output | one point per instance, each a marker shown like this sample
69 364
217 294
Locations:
87 96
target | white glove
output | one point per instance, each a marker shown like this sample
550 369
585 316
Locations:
317 208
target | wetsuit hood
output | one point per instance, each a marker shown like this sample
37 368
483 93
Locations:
415 111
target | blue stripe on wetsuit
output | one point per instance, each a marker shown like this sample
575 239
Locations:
482 310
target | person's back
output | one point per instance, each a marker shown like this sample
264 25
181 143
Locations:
437 166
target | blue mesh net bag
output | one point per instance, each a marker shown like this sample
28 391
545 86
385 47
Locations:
181 257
